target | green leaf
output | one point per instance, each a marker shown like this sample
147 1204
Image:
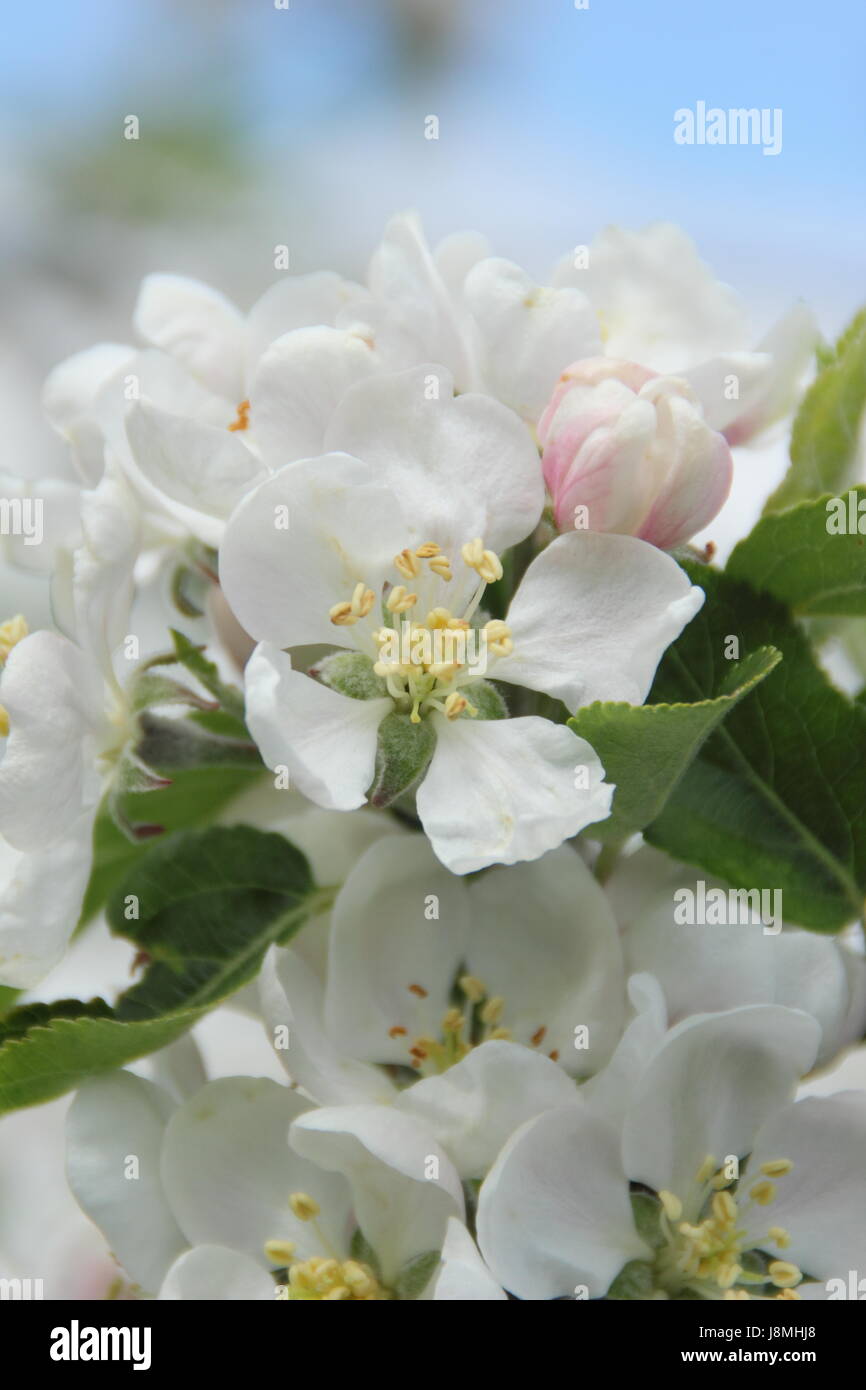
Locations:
8 995
645 749
794 557
209 904
416 1275
824 437
195 797
776 797
193 659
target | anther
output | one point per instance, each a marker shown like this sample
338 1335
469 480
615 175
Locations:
783 1274
673 1207
305 1207
777 1167
406 564
763 1193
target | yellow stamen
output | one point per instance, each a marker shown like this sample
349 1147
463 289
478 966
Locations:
472 987
763 1193
13 631
779 1236
783 1274
305 1207
673 1207
242 419
280 1252
493 1009
399 601
777 1167
407 565
706 1170
441 565
485 562
341 615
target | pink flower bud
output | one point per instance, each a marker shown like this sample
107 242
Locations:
629 451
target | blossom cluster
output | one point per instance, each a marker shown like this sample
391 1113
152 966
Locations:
358 599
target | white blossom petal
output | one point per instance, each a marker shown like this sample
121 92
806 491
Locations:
564 974
292 999
403 1185
40 902
464 1276
228 1171
213 1273
822 1201
385 940
69 396
198 326
298 384
325 739
461 467
529 333
48 775
115 1131
477 1104
593 616
502 790
197 472
302 541
708 1088
554 1212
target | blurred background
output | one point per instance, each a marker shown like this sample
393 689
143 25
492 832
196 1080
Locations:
302 123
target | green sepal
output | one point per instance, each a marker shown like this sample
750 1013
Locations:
403 754
352 674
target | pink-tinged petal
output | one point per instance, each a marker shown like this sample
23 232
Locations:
627 451
698 479
596 459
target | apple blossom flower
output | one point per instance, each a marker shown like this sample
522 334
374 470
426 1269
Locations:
753 1191
483 317
464 1277
40 901
385 530
67 715
627 451
244 1191
660 305
709 967
386 998
189 418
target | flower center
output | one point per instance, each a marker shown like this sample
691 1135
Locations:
242 419
716 1254
463 1027
325 1277
429 664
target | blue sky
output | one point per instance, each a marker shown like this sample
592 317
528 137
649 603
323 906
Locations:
553 121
